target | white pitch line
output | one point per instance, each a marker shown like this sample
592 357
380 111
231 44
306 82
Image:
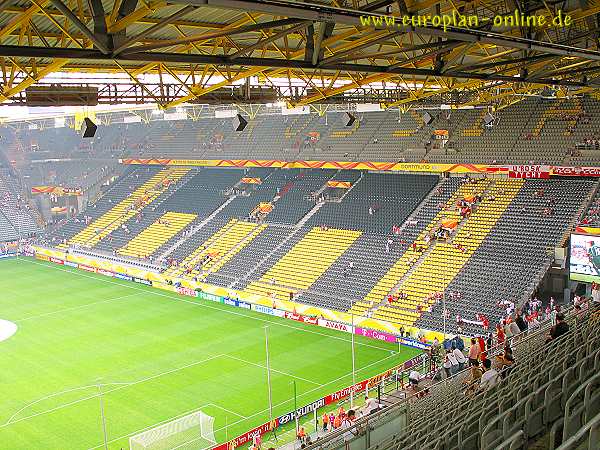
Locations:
55 394
177 298
143 380
272 370
226 410
37 316
249 417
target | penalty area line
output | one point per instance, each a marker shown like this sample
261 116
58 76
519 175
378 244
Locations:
85 305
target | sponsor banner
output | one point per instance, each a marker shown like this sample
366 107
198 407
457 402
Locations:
57 261
248 180
344 393
512 174
244 305
576 171
106 273
211 297
382 336
123 277
264 310
300 318
515 171
278 313
303 411
71 264
86 268
8 255
186 291
248 437
42 257
334 325
56 190
230 301
339 184
142 281
413 343
588 230
163 286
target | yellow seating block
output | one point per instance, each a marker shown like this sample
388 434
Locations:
151 238
223 245
305 262
125 210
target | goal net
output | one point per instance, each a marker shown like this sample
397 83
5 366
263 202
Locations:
191 432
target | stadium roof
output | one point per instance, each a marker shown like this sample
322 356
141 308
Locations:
177 51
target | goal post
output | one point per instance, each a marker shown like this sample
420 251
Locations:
193 431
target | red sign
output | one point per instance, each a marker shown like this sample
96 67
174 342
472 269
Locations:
186 291
86 268
107 273
248 436
576 171
512 174
301 318
57 261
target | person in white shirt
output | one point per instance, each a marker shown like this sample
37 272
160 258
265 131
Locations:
347 423
490 377
453 362
371 405
413 378
461 359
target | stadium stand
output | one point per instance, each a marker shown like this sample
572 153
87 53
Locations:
127 208
534 130
304 263
151 238
379 231
19 215
546 398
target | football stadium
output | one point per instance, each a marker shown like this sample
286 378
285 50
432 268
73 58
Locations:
299 224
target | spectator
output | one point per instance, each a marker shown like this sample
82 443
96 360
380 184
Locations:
490 377
302 435
371 405
474 377
460 358
506 360
520 321
474 352
347 424
413 379
559 329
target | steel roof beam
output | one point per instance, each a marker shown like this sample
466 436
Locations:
58 4
181 58
328 13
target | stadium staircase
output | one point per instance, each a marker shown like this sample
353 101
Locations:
151 238
194 229
304 263
218 249
127 208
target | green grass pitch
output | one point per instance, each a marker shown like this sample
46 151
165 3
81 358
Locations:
157 355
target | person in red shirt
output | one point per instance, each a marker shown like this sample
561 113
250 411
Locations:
481 342
500 334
